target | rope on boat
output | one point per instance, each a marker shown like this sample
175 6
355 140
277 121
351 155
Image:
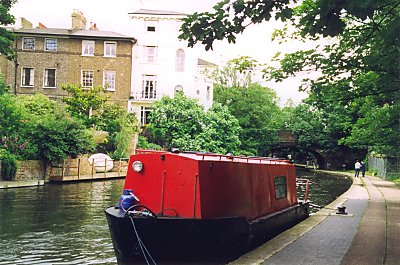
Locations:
143 248
145 252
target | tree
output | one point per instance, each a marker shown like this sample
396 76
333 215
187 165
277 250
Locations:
120 126
53 134
85 104
34 127
359 73
238 72
7 38
182 123
326 17
60 136
93 108
254 106
221 133
359 68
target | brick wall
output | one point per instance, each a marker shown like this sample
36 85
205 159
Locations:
31 170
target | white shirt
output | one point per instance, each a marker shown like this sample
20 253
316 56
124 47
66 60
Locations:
357 165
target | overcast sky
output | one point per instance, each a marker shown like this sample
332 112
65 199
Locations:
113 16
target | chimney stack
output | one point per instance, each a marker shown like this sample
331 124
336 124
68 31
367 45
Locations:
93 26
25 24
78 20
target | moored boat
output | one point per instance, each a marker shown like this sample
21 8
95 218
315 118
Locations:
201 208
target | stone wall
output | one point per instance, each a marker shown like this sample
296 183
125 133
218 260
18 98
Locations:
31 170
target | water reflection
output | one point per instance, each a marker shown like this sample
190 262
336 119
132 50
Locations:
323 188
57 224
65 224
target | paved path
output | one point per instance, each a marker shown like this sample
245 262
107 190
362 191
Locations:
368 234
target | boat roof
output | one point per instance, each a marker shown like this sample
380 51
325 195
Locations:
205 156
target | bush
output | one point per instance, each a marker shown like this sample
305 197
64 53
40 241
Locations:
9 166
61 136
144 144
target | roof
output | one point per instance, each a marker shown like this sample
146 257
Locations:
156 12
95 34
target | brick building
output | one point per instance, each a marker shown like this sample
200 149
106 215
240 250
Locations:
48 58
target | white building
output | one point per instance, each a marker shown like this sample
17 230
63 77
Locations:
162 64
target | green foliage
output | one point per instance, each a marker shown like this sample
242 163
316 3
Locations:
182 123
34 127
356 91
9 165
38 105
143 143
6 37
120 126
92 107
378 128
359 77
85 103
230 18
220 133
238 72
4 88
60 136
256 108
313 17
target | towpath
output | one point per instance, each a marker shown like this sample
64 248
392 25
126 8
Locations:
368 234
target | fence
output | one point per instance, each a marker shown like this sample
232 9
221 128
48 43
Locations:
81 169
386 167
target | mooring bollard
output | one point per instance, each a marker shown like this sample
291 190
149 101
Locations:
341 210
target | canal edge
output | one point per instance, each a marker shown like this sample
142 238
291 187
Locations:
273 246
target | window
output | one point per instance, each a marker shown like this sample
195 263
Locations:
280 187
144 114
88 48
151 28
149 87
150 54
87 78
110 49
208 92
109 80
27 76
180 60
49 78
28 43
151 25
50 44
178 89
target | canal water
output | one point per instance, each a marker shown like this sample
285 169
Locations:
65 224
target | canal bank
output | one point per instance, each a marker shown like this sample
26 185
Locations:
20 183
368 234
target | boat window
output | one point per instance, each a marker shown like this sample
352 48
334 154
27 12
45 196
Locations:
280 187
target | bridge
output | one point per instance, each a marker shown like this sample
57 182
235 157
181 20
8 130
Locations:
287 145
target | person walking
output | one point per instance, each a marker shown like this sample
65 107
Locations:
357 167
363 169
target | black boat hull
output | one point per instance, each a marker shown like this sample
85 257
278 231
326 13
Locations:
172 240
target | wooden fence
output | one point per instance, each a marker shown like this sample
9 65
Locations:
81 169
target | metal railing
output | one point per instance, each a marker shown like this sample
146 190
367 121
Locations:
300 182
145 95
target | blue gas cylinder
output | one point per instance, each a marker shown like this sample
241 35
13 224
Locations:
127 199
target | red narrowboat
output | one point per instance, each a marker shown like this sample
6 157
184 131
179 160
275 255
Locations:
201 208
